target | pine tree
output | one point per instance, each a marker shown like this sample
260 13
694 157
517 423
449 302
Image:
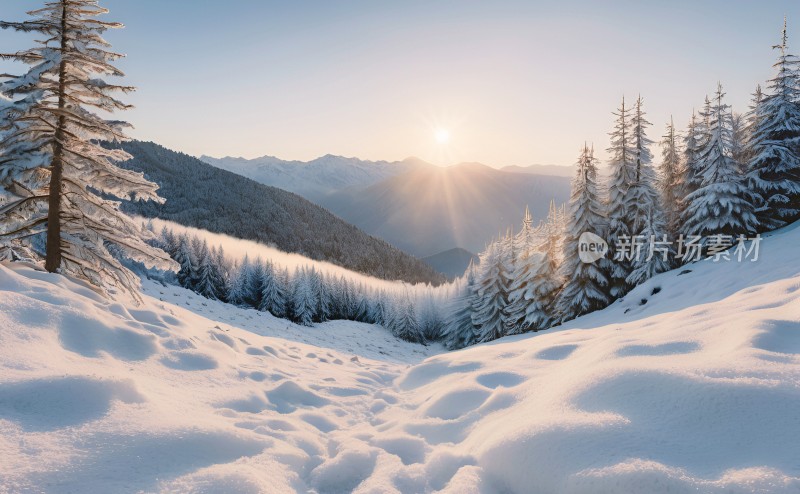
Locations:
404 323
273 291
671 178
722 205
752 121
208 282
621 201
739 140
322 295
240 283
585 289
774 168
222 271
459 331
53 171
657 255
647 223
187 262
489 315
303 300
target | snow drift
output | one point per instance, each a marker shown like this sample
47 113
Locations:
691 383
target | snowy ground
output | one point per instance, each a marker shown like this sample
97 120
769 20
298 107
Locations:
692 384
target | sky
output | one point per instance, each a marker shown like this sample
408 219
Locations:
507 82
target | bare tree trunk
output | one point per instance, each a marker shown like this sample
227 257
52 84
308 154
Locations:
53 258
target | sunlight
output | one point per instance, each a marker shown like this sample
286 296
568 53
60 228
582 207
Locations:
442 136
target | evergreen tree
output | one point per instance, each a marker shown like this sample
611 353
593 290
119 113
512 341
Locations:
240 284
459 330
54 174
585 289
303 300
273 291
208 283
648 223
222 268
621 201
489 316
722 205
774 168
656 255
404 323
187 262
739 141
671 178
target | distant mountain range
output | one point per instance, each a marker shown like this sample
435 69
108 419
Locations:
202 196
452 263
317 178
554 170
419 207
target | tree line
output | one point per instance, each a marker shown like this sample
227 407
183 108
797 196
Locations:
729 176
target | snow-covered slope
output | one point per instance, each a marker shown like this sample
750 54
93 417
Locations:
691 384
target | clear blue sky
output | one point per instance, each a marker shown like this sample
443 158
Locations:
514 82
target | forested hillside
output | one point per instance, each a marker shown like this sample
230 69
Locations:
202 196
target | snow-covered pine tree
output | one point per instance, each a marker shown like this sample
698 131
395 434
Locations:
53 170
362 305
620 200
322 294
670 182
752 120
774 168
648 263
240 283
303 300
208 282
254 288
459 330
519 295
648 222
489 316
404 322
586 285
739 140
273 291
222 268
722 205
187 262
690 179
430 318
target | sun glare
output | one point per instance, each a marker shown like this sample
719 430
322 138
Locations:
442 136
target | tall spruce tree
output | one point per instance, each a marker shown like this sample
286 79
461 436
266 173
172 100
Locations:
459 330
586 286
722 205
273 291
489 314
55 175
774 168
671 176
621 200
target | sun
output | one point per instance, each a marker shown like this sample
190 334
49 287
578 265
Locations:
442 136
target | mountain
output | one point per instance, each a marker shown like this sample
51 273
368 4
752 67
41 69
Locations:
317 178
553 170
430 210
203 196
452 263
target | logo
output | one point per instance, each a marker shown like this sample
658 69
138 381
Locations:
591 248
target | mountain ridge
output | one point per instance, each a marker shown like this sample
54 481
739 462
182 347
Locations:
200 195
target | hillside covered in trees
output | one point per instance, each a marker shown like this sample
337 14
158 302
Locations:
202 196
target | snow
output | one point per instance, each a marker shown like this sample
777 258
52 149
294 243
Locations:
689 384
